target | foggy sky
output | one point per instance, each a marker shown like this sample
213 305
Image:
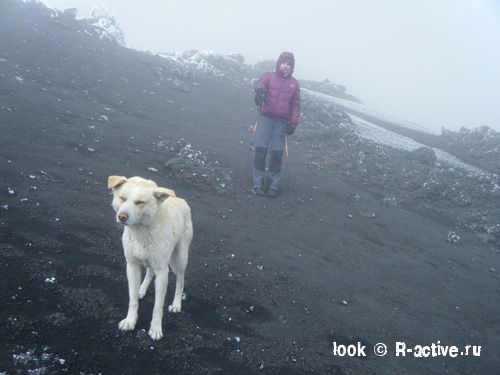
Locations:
434 62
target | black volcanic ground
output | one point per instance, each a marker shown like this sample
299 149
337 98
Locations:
353 250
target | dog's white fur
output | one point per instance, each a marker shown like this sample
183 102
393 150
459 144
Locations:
157 234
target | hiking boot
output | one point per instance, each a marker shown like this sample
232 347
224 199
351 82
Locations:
258 191
272 193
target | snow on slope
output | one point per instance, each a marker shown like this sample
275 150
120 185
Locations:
362 108
379 135
209 62
197 61
388 138
106 24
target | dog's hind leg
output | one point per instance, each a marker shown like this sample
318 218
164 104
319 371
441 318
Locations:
178 264
145 284
161 283
134 279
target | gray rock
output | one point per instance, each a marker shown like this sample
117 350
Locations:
424 155
175 163
390 201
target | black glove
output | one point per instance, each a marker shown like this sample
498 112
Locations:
260 97
290 128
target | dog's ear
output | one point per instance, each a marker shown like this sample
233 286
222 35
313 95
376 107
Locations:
163 193
115 181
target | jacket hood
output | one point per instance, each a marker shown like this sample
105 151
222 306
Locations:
285 56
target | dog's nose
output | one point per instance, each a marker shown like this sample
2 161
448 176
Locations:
122 216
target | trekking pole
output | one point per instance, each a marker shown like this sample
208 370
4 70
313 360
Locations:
252 139
285 154
287 165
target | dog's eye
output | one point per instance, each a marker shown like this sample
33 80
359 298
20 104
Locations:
140 203
123 199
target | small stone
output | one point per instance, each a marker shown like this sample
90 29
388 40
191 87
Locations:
198 338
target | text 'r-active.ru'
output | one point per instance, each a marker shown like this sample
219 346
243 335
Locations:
400 349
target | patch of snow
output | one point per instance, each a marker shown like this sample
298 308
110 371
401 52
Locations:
382 136
201 59
106 24
388 138
50 280
204 61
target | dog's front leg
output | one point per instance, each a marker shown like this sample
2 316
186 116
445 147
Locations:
134 279
161 283
145 283
175 307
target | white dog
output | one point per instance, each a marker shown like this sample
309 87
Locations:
157 234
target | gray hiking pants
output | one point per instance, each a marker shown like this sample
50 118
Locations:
270 133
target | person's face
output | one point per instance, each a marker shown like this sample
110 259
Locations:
285 68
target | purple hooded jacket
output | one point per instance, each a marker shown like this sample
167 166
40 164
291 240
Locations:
282 93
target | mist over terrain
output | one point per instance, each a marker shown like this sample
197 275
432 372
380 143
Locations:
430 62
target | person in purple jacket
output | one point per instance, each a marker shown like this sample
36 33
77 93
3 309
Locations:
278 97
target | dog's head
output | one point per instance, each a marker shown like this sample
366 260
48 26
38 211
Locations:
136 200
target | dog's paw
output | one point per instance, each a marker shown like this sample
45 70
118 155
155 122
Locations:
127 324
155 332
174 308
